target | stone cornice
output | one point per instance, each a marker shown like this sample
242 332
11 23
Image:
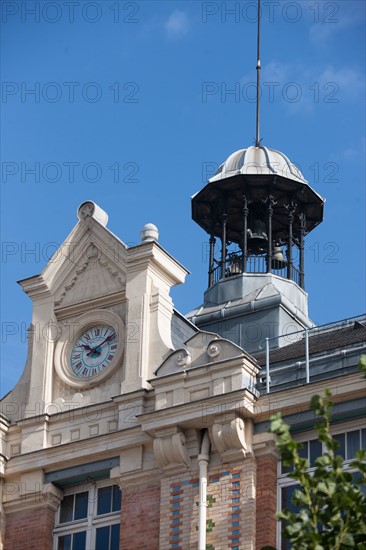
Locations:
132 396
4 422
199 414
49 497
79 452
152 254
77 309
35 287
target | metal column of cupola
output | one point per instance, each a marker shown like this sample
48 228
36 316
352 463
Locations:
257 210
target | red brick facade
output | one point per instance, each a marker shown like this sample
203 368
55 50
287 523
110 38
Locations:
230 509
140 517
29 530
266 506
166 516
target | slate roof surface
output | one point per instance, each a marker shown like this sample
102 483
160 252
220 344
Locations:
182 329
323 341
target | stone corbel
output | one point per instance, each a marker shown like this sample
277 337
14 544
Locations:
232 436
265 444
170 451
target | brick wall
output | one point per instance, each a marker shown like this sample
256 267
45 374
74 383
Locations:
230 511
266 500
29 530
140 514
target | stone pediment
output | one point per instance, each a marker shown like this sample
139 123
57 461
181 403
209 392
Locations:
90 264
93 277
202 349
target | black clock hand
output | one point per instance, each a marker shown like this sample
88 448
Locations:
85 347
110 337
95 350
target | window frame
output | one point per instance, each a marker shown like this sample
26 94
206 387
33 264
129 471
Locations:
284 480
92 522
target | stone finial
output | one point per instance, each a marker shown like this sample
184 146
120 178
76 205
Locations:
90 209
149 233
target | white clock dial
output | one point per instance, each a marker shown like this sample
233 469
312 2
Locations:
93 351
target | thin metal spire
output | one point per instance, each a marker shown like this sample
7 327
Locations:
257 138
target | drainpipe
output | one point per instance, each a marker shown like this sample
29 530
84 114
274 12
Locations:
203 459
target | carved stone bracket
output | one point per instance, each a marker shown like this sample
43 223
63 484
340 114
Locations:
232 437
171 452
265 444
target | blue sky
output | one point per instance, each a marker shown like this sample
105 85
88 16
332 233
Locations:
133 105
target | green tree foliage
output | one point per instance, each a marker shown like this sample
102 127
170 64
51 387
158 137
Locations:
331 507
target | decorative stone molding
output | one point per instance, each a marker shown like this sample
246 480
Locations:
265 444
92 255
206 349
214 350
71 282
90 209
171 452
232 437
184 358
45 496
4 426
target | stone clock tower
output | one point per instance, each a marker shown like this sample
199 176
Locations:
101 320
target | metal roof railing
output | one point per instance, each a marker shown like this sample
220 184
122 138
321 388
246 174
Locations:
306 335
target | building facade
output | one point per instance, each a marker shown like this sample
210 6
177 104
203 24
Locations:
135 427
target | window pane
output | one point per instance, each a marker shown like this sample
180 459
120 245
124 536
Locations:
315 450
104 500
286 494
81 505
79 540
64 543
115 537
102 539
116 505
356 476
303 452
342 445
363 441
67 509
353 443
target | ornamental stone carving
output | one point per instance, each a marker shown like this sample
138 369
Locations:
184 358
232 437
214 350
170 451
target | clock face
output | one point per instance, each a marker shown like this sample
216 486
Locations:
93 351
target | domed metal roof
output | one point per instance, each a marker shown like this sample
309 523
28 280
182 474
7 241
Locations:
256 173
258 161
